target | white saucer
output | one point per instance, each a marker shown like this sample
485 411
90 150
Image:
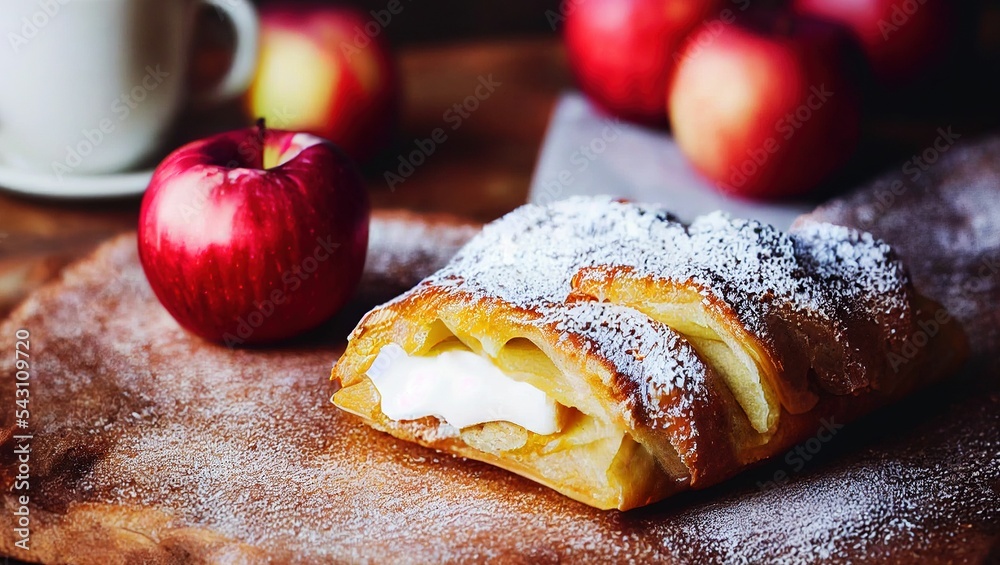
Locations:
37 183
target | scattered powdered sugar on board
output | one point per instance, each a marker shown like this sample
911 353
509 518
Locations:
403 247
132 414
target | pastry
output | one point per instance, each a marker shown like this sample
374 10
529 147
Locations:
617 355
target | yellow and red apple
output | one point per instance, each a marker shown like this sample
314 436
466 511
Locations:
769 108
622 52
328 71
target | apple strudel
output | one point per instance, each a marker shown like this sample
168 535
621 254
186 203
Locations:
617 355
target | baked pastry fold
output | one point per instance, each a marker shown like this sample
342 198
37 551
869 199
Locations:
660 356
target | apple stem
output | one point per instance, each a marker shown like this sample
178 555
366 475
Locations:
260 130
261 134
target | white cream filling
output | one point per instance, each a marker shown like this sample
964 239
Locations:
460 387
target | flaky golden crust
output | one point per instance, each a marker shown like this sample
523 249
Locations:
683 415
618 284
817 319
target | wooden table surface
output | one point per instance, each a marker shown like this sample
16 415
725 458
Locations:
481 171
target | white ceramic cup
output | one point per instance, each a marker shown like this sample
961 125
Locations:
92 86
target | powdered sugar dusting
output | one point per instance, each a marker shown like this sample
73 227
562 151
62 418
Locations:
861 271
530 256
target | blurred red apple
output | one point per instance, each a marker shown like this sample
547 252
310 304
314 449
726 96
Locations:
901 38
769 107
254 235
622 51
327 71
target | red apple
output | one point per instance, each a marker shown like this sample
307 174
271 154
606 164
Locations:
327 71
769 108
901 38
255 235
622 51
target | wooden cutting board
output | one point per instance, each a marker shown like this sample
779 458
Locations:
150 445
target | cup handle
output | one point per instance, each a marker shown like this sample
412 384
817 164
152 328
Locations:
237 79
